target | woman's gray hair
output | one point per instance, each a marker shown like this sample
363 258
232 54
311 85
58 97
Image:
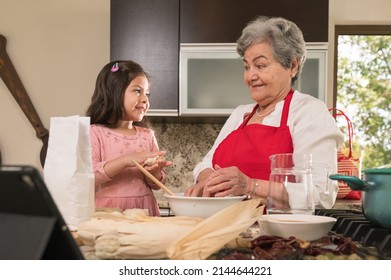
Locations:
284 36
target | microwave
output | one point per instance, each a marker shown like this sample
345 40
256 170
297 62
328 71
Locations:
211 78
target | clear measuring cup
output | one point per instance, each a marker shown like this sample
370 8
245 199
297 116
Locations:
290 185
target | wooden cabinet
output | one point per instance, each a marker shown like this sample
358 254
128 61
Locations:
222 21
146 31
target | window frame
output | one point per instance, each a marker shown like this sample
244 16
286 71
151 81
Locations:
353 30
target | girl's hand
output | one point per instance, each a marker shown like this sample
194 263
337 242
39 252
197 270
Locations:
141 157
117 165
157 168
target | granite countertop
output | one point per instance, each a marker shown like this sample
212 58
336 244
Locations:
348 204
339 204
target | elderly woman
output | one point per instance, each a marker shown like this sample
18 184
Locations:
282 120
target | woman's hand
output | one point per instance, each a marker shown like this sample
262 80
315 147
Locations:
196 190
228 181
199 188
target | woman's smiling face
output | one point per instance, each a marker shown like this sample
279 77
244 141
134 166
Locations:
136 102
266 78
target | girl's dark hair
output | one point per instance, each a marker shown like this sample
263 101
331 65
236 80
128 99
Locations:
106 106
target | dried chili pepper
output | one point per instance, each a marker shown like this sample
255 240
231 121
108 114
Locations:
269 247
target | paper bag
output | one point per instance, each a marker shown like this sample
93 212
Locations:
349 161
68 170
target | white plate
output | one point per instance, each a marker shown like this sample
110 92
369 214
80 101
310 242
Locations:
304 227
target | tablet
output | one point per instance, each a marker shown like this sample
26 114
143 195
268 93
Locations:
31 226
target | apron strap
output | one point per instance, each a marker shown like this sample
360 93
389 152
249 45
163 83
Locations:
285 110
244 123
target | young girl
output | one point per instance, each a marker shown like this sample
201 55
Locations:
118 105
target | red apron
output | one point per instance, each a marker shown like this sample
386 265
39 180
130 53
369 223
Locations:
250 146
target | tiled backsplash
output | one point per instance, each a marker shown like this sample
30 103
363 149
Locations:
186 145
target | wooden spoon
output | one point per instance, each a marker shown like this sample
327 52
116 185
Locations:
153 178
15 86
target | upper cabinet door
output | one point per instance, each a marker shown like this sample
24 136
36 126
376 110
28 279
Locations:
212 83
147 32
150 32
222 21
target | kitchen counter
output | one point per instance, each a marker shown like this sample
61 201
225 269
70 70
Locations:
339 204
348 204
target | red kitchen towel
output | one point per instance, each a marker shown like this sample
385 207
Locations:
349 161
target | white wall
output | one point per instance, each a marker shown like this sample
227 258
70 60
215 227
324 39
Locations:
58 47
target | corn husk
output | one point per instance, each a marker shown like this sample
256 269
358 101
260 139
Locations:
132 234
215 232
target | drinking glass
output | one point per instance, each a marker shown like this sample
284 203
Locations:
290 185
323 184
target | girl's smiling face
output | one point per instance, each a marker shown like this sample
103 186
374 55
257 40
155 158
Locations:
266 78
136 99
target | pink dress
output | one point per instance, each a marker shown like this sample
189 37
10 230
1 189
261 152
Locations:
128 189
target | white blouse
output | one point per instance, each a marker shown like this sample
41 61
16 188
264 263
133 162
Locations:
313 130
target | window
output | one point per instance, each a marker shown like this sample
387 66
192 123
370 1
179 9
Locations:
362 88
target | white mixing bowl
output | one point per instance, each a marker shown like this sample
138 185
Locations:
199 206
